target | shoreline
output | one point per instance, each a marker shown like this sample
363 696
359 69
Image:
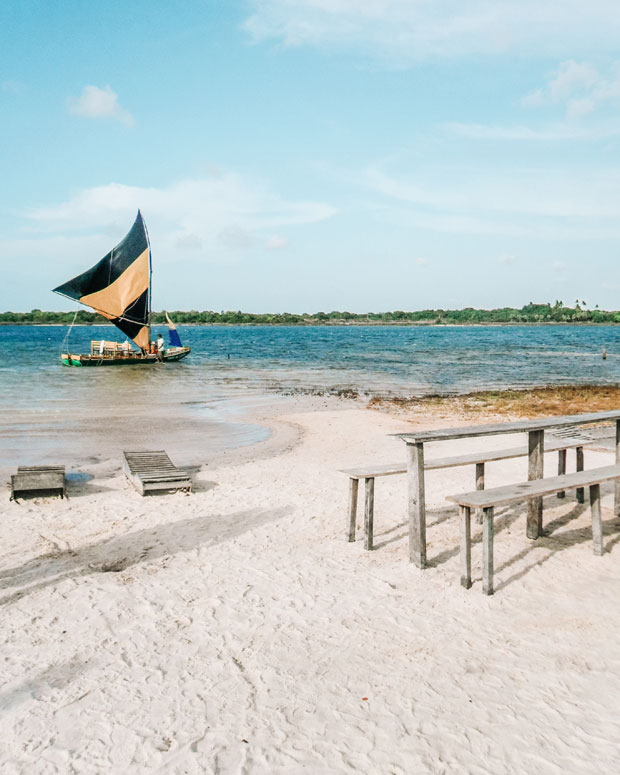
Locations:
343 323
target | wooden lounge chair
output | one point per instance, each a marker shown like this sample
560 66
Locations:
36 480
150 471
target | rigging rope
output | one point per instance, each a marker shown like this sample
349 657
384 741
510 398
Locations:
64 341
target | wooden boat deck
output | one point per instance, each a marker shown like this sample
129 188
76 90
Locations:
151 471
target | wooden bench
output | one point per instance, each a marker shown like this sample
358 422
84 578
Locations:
150 471
38 479
369 473
487 500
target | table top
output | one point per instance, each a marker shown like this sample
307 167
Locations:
519 426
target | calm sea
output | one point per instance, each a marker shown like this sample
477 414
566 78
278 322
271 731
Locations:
231 367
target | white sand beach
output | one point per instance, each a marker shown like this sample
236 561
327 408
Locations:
235 630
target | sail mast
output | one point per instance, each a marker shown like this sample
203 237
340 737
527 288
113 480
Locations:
149 308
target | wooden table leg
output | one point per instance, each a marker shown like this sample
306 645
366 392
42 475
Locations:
487 551
353 487
417 510
561 468
597 525
465 517
617 482
579 467
479 486
369 510
536 449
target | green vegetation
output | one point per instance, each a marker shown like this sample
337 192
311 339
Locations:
530 313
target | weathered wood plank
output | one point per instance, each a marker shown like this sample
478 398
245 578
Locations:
149 471
503 496
34 481
471 458
416 505
597 525
561 468
487 551
479 486
369 510
579 467
536 445
353 488
519 426
465 519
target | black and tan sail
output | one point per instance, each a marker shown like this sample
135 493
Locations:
118 287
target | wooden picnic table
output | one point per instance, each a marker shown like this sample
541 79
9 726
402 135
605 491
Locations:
535 429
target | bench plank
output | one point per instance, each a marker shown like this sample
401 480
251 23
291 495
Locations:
538 488
471 458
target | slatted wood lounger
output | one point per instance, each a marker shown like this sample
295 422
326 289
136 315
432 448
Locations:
38 479
150 471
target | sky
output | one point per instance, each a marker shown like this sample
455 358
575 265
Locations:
314 155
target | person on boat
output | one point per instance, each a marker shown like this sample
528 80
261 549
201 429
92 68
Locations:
160 348
126 348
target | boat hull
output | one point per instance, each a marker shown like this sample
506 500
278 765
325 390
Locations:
84 360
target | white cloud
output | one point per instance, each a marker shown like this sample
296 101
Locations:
559 265
421 262
507 258
567 132
276 243
99 103
206 217
409 30
520 202
578 87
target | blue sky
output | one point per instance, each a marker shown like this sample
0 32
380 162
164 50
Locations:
314 155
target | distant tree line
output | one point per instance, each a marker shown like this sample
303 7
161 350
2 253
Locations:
530 313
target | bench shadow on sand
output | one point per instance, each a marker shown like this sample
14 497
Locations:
551 540
115 554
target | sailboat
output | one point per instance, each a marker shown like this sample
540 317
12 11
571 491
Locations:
119 288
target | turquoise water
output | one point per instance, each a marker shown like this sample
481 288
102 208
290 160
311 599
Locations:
370 359
199 399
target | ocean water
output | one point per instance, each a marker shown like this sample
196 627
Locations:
234 367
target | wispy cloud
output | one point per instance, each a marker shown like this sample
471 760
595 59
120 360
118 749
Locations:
94 102
567 132
507 258
578 87
518 202
207 216
276 243
409 30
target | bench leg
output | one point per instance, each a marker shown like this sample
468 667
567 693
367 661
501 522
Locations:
597 525
353 487
479 486
417 508
579 467
617 482
369 508
561 468
465 517
487 551
536 449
